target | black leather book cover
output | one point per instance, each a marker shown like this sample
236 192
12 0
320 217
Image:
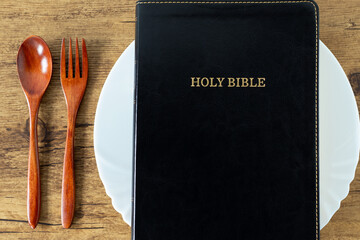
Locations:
226 121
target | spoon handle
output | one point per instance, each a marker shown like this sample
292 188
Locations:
68 182
33 194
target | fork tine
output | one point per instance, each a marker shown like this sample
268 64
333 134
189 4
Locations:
63 60
70 70
84 60
77 61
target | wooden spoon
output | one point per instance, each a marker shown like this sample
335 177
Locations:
34 66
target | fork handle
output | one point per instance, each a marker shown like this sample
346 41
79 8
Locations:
68 181
33 194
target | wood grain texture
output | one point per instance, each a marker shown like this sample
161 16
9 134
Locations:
109 29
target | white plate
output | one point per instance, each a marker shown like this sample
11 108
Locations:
339 134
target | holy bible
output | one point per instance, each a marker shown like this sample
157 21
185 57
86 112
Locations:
226 121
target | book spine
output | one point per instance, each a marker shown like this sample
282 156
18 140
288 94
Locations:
133 199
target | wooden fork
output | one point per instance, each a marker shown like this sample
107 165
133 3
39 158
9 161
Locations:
74 87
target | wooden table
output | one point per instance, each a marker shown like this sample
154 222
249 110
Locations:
109 27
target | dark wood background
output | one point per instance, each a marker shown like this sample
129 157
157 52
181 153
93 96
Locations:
108 27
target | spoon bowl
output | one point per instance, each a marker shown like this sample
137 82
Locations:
34 66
